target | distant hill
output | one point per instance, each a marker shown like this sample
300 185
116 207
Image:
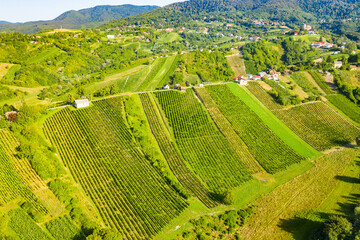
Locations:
5 22
290 11
85 18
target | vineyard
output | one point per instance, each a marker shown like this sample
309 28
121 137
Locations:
346 106
254 132
200 142
100 151
19 180
63 228
315 122
302 80
321 82
228 131
172 155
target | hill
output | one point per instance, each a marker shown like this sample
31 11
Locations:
290 12
85 18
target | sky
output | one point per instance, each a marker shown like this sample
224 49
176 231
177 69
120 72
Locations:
33 10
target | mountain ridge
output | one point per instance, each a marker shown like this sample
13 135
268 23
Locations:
75 19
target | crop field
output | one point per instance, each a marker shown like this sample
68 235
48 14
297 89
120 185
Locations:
43 55
315 122
302 194
19 180
172 155
346 106
277 126
10 74
25 227
158 67
303 81
200 142
255 133
321 82
63 228
237 64
228 131
4 68
98 147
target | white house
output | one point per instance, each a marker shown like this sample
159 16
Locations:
110 36
337 64
243 82
81 103
166 87
201 84
262 74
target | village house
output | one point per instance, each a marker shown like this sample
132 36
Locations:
287 71
201 85
328 45
352 67
254 39
311 33
318 60
249 76
296 33
338 64
257 78
262 74
81 103
307 27
166 87
243 82
110 36
318 44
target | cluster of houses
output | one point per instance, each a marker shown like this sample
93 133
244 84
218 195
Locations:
254 39
272 75
322 45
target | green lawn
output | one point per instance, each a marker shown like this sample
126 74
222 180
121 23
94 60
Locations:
273 122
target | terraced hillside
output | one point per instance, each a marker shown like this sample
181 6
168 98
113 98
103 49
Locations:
315 122
98 147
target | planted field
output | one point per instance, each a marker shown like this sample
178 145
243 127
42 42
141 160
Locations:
303 81
315 122
321 82
269 150
63 228
25 227
200 142
157 67
43 55
277 126
99 149
346 106
237 64
229 132
172 155
10 74
4 68
20 181
302 194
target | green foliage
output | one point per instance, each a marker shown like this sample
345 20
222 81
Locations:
140 202
321 82
351 109
25 227
215 162
260 56
282 95
228 198
254 132
64 228
301 79
104 234
337 227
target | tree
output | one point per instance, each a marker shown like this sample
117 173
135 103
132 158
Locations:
70 98
337 227
228 198
358 141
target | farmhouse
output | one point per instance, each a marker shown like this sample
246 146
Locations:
338 64
166 87
110 36
81 103
352 67
254 38
243 82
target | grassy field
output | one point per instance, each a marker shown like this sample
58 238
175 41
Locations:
237 64
44 55
244 195
277 126
343 104
306 192
4 68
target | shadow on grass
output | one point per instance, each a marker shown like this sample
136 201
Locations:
304 224
348 179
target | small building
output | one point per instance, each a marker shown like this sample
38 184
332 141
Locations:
81 103
166 87
318 60
296 33
287 71
328 45
338 64
257 78
311 33
110 36
201 85
181 88
254 39
262 74
352 67
249 76
243 82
